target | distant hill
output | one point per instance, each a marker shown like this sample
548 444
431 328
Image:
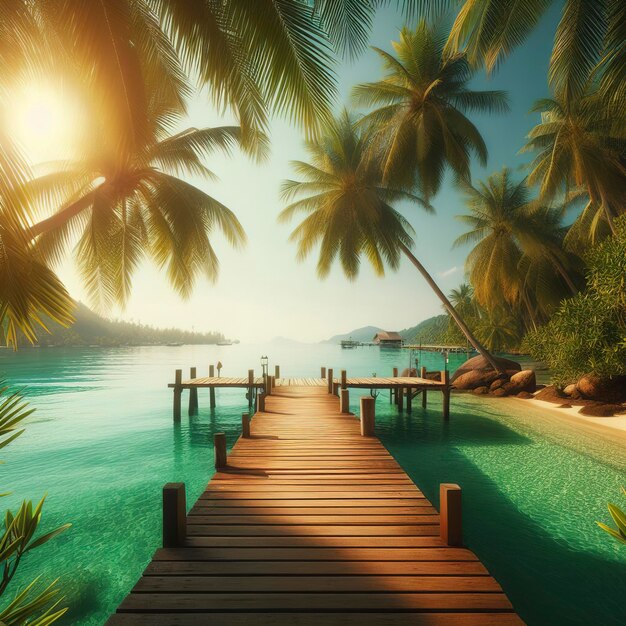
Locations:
359 334
431 331
428 331
91 329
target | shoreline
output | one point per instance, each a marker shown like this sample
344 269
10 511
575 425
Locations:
613 428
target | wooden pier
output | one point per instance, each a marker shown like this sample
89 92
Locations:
402 389
310 521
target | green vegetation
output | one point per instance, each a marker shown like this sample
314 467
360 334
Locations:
36 604
588 332
91 329
619 517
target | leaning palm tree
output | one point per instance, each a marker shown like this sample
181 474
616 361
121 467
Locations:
351 213
580 143
517 255
420 127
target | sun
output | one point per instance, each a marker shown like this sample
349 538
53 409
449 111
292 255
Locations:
45 120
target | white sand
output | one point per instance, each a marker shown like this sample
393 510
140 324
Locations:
615 426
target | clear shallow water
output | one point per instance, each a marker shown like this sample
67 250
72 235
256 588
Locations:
102 443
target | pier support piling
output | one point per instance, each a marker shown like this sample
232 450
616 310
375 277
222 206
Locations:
450 526
250 387
344 378
277 371
322 372
336 389
330 380
178 392
424 396
193 394
245 425
345 401
445 379
174 515
368 416
260 402
219 443
212 390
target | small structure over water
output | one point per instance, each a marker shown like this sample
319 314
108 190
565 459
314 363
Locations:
387 339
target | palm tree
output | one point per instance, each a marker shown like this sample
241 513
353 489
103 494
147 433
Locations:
124 206
588 41
420 127
350 211
517 255
580 143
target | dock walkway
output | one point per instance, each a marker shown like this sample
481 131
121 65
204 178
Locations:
312 523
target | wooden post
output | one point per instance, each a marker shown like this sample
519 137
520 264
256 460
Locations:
400 392
219 442
368 415
245 425
395 389
250 387
424 393
193 394
445 379
268 385
345 401
260 402
330 380
323 372
174 515
277 371
212 390
450 525
409 398
344 377
178 392
336 389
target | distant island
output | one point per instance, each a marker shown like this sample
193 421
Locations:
430 331
91 329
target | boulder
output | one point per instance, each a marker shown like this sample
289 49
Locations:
497 383
479 391
475 378
525 395
569 390
501 392
564 406
524 381
479 363
609 390
601 410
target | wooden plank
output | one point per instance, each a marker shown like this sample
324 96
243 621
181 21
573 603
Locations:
310 523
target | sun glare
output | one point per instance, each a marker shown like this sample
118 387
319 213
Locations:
46 121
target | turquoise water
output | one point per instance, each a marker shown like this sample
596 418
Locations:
102 443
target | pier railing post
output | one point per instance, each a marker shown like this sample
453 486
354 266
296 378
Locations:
277 371
445 379
219 442
174 515
330 380
178 392
345 401
212 389
193 394
368 416
336 389
344 378
250 387
268 385
424 392
450 525
322 372
394 390
260 402
245 425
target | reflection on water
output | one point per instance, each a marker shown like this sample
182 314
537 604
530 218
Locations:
102 443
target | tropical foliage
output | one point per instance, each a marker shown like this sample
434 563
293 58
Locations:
588 332
420 127
35 604
619 517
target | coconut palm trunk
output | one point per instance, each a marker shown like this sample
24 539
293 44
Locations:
450 309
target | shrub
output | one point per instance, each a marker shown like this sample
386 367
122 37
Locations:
587 334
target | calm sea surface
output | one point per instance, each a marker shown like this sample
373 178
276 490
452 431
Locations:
102 443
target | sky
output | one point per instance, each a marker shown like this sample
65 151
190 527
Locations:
262 291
